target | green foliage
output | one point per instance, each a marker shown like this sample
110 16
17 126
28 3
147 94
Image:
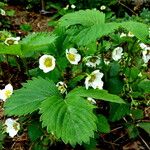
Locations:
66 119
12 49
144 86
28 99
103 125
140 30
34 131
97 94
37 42
132 131
145 126
118 111
137 114
85 18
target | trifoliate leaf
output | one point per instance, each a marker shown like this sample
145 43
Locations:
71 119
29 97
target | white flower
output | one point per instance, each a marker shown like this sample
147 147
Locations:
117 53
92 61
144 46
107 62
6 92
12 127
66 8
2 12
73 6
123 35
12 40
94 80
145 52
102 7
130 34
146 56
62 87
73 56
91 100
46 63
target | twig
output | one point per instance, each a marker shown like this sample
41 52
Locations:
116 129
126 7
144 142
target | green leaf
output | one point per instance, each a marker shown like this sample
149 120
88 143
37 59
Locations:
137 113
95 93
140 30
103 125
29 97
92 33
132 131
115 85
11 49
37 42
144 86
83 17
92 26
145 126
34 131
117 111
71 119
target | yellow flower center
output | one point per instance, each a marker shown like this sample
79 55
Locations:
7 93
16 126
93 59
10 42
48 62
93 77
71 57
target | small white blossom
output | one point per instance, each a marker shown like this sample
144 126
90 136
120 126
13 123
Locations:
92 61
117 53
102 7
123 35
66 8
145 52
94 80
73 6
2 12
6 92
91 100
107 62
140 74
47 63
12 127
73 56
146 56
12 40
62 87
130 34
